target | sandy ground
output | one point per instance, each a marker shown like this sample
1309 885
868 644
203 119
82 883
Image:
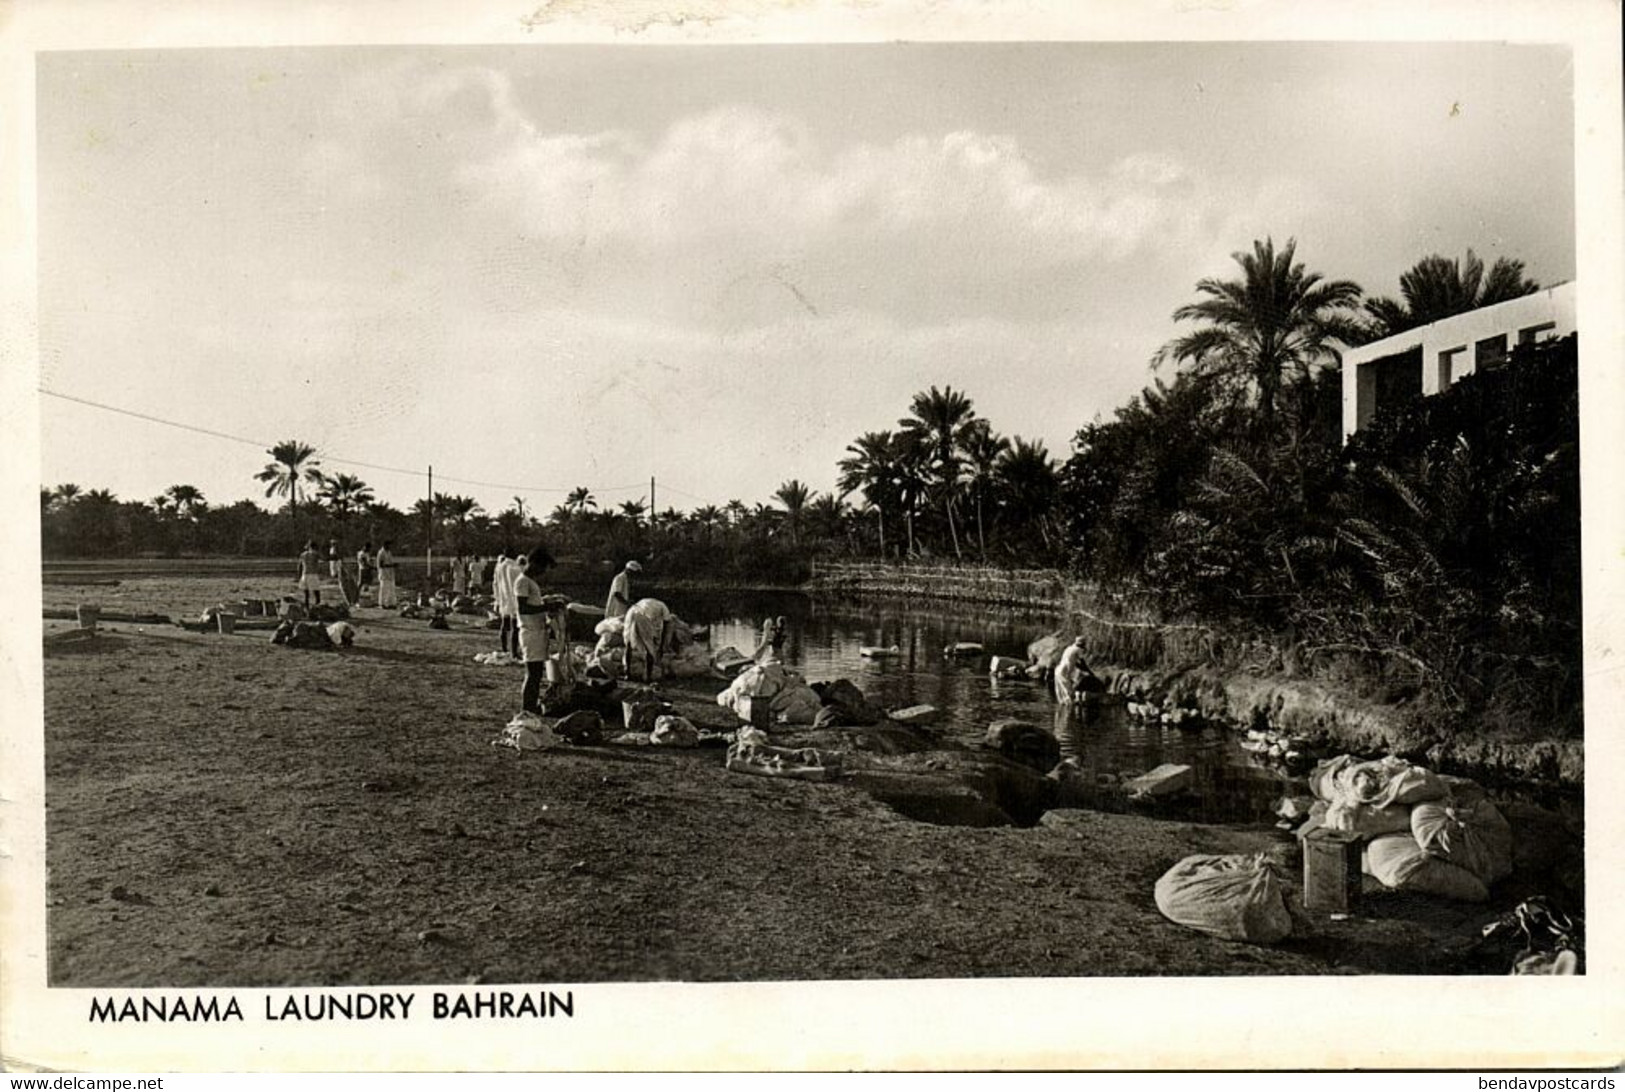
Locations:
225 812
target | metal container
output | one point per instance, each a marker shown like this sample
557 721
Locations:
89 614
1331 870
227 621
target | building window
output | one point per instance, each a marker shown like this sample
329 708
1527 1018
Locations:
1448 366
1490 351
1544 332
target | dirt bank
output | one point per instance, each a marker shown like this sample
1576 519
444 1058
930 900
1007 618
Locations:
225 812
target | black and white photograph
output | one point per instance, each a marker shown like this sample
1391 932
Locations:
530 518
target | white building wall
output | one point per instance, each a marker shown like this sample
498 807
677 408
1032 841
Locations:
1452 347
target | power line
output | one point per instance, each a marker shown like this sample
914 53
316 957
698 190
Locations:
264 445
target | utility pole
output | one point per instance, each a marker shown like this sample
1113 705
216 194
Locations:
651 500
428 552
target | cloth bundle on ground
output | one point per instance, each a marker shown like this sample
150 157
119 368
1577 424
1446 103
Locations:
341 634
787 693
611 628
1471 834
803 763
302 635
526 732
688 655
1431 835
845 704
1236 897
1396 861
582 728
497 658
674 731
1375 797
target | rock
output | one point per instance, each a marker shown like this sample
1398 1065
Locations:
917 714
963 648
1046 652
1024 742
1004 667
213 890
849 704
581 728
1165 780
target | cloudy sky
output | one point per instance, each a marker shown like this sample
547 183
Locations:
548 266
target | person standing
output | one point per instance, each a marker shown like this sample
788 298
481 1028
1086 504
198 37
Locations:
363 570
459 575
474 575
310 576
502 595
620 591
532 615
386 576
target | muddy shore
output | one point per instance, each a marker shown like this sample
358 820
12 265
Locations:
224 812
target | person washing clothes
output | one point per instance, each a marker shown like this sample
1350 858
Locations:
647 635
310 577
532 615
1073 677
620 591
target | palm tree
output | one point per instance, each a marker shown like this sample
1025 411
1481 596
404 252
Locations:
187 499
344 494
736 511
871 469
1437 287
937 421
633 510
794 495
826 515
519 507
291 460
1028 481
457 510
579 500
706 517
982 448
1270 327
67 493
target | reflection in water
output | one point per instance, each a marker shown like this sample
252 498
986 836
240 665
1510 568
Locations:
1106 743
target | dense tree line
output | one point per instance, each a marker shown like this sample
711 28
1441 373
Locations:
1440 545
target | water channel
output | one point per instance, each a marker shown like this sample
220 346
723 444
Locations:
826 636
